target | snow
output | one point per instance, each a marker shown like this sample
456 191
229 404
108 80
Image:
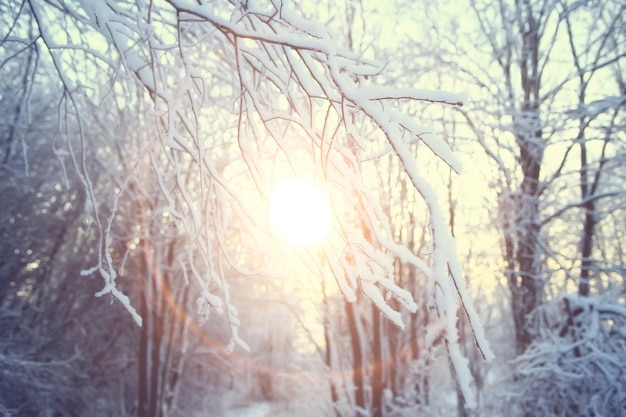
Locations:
98 12
292 38
373 293
262 409
445 270
286 77
291 51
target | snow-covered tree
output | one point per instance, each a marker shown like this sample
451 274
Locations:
547 107
233 96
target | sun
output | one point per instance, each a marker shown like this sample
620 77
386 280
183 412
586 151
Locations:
300 212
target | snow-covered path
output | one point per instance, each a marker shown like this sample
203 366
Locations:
254 410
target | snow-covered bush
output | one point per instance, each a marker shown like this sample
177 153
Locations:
577 366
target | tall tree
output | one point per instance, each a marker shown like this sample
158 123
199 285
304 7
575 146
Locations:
547 108
521 118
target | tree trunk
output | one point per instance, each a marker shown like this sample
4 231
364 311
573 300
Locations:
358 377
526 281
144 366
377 365
334 397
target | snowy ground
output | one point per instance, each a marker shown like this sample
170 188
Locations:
267 409
253 410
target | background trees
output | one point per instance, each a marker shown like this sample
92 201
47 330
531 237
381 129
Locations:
536 66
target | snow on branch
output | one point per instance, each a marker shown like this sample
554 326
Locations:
300 102
432 96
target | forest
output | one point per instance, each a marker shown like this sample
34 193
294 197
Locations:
254 208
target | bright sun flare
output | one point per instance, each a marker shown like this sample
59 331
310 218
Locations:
300 212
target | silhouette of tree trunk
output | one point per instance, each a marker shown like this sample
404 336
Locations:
358 371
377 383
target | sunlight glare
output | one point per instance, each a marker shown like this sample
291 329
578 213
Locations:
300 212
